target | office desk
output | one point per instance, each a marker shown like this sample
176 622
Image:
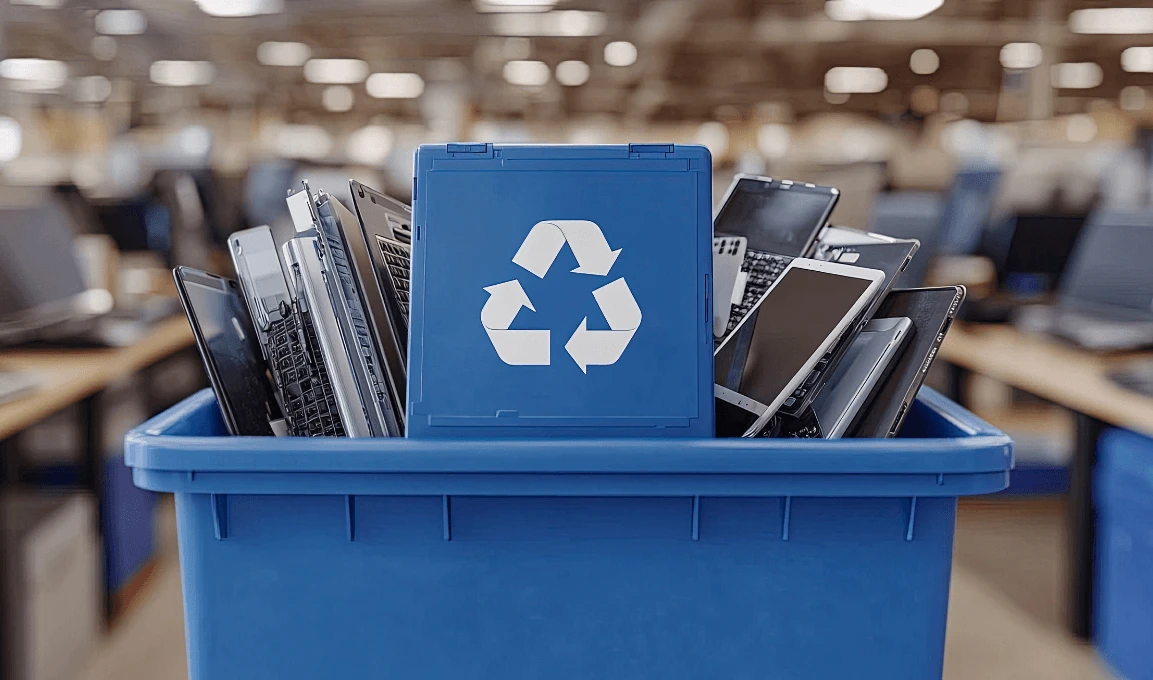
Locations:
1074 379
78 376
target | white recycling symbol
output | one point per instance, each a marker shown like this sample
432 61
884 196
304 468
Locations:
536 254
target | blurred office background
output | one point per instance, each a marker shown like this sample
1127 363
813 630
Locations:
137 134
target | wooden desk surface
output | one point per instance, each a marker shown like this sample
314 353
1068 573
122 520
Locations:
71 375
1065 375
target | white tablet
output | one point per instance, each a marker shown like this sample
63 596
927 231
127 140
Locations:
794 324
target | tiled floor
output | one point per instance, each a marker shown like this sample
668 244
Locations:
1004 616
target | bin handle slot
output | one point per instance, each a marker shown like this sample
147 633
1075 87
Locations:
220 515
786 517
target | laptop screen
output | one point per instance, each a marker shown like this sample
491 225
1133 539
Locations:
1112 264
774 219
1038 252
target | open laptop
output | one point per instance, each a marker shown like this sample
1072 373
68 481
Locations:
325 276
778 220
1106 295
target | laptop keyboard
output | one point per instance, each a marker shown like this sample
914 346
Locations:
398 257
762 269
298 367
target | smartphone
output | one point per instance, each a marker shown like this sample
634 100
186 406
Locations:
230 351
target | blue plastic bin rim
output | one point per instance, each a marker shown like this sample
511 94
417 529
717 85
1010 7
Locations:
169 443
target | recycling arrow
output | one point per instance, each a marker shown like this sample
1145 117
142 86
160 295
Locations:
518 348
584 238
604 348
537 254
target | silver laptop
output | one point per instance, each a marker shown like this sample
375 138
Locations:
287 337
323 279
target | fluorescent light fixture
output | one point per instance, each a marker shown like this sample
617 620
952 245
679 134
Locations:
335 71
1132 98
1081 129
34 75
880 10
1078 75
91 89
527 73
11 139
370 145
46 4
395 85
338 98
121 22
924 62
856 80
103 47
714 136
1112 20
273 53
620 53
182 73
572 73
296 141
240 8
773 140
1021 55
572 23
1137 60
514 5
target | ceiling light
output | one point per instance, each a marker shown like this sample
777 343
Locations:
880 10
526 72
573 23
46 4
395 85
620 53
572 73
34 75
103 47
773 140
1132 98
335 71
1080 75
370 145
275 53
11 139
714 136
296 141
514 5
1137 60
182 73
338 98
924 62
91 89
121 22
1081 129
1112 20
1021 55
856 79
240 8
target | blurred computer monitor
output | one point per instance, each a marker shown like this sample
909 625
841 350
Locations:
1037 251
138 223
968 206
1111 262
40 278
911 215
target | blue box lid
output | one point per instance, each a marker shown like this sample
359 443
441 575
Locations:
561 291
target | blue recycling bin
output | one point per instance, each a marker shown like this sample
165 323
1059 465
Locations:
567 558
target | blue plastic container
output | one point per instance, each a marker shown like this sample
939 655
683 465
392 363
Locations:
1124 569
567 559
561 291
